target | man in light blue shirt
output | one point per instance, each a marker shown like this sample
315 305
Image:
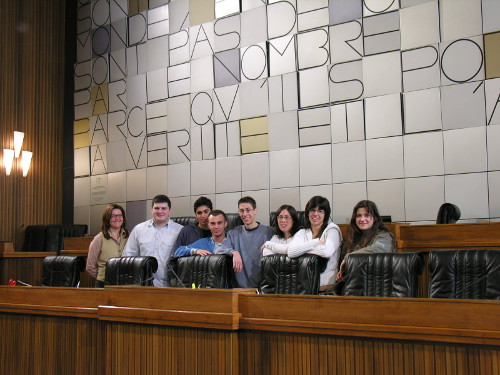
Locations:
217 244
155 238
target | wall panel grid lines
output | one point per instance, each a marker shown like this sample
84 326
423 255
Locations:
285 100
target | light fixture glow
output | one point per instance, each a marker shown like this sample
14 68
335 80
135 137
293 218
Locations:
26 162
18 142
8 158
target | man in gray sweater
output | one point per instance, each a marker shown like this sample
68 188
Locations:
247 239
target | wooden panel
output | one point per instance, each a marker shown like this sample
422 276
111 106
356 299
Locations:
276 334
77 243
280 353
449 236
393 318
148 349
34 344
32 79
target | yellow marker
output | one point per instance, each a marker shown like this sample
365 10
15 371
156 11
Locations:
193 286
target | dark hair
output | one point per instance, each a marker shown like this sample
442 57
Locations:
106 217
161 199
323 204
357 239
202 201
248 200
295 220
217 213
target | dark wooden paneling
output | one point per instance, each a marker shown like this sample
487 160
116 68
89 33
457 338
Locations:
32 81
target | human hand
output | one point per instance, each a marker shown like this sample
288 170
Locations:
203 252
237 262
341 271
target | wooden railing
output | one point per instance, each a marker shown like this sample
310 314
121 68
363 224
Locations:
146 330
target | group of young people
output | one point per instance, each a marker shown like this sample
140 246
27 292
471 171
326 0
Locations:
163 238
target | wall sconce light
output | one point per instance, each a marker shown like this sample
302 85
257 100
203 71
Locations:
8 159
26 162
9 155
18 142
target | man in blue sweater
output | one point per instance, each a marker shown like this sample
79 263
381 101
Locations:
217 244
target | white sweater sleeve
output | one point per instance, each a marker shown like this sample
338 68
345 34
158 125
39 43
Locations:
275 246
302 243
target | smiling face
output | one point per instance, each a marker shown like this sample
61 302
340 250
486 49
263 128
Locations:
316 216
116 219
161 213
285 222
217 225
247 214
201 214
364 220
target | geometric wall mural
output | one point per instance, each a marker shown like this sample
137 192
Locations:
394 101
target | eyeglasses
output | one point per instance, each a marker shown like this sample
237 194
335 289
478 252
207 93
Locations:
245 211
116 216
284 217
313 210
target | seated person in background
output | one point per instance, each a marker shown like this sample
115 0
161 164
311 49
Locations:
217 244
195 231
247 240
155 238
109 243
319 238
285 227
367 233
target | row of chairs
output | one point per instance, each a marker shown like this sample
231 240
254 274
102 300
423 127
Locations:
460 274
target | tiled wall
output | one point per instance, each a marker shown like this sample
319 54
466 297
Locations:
394 101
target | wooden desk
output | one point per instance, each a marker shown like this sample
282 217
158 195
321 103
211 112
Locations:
145 330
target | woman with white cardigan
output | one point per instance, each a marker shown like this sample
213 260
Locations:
319 238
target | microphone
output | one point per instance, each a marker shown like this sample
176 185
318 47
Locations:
15 282
169 268
349 275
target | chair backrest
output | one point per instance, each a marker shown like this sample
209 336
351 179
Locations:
464 274
74 230
448 214
283 275
210 271
62 270
233 220
44 238
133 270
184 220
382 274
35 238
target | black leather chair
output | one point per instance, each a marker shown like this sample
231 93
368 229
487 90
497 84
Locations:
74 230
283 275
35 238
448 214
382 274
210 271
233 220
62 270
184 220
464 274
133 270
